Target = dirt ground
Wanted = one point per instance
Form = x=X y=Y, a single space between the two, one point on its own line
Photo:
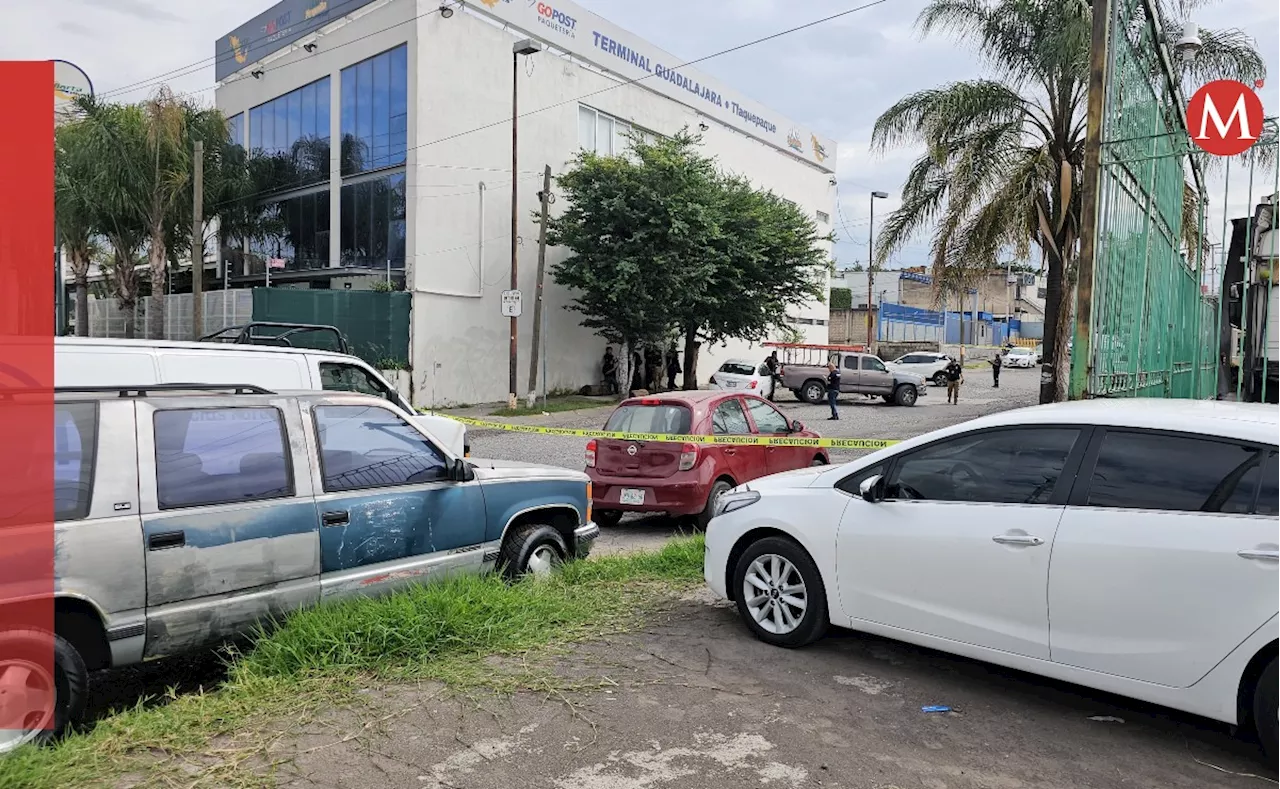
x=693 y=702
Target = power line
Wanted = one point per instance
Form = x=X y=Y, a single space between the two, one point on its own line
x=633 y=81
x=199 y=65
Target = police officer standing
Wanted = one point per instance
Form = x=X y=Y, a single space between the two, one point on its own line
x=833 y=390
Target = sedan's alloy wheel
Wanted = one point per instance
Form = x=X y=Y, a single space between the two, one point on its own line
x=775 y=593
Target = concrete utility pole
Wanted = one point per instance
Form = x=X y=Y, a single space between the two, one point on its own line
x=197 y=242
x=1095 y=106
x=871 y=266
x=526 y=47
x=544 y=197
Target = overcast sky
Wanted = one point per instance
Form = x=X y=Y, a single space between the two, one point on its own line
x=835 y=78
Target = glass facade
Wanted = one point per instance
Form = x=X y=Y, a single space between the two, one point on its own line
x=294 y=129
x=300 y=235
x=235 y=129
x=292 y=133
x=373 y=223
x=375 y=112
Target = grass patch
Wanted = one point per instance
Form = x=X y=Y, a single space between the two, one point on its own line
x=321 y=657
x=553 y=406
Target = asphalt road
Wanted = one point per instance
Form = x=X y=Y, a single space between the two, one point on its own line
x=694 y=702
x=860 y=417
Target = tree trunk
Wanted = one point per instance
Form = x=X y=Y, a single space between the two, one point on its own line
x=82 y=306
x=691 y=345
x=1053 y=302
x=158 y=259
x=130 y=311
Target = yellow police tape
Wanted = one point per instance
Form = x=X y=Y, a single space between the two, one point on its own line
x=833 y=443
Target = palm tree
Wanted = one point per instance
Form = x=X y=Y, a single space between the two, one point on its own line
x=1004 y=154
x=75 y=214
x=167 y=175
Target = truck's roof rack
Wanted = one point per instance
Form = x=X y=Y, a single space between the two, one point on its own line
x=146 y=389
x=245 y=334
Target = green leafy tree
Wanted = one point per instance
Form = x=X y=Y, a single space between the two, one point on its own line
x=767 y=259
x=664 y=243
x=1004 y=154
x=75 y=213
x=636 y=227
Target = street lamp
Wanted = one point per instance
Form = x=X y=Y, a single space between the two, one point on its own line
x=525 y=47
x=871 y=263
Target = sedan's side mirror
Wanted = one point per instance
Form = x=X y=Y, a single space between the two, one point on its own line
x=797 y=426
x=872 y=489
x=461 y=471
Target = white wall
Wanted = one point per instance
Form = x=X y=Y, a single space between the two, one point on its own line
x=463 y=69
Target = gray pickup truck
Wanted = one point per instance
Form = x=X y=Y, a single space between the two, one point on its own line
x=860 y=373
x=186 y=514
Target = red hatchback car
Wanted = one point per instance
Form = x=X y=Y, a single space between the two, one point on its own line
x=686 y=479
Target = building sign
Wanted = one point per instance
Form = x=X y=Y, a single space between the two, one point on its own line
x=574 y=29
x=275 y=29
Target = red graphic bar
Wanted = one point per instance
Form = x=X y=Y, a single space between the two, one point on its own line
x=27 y=676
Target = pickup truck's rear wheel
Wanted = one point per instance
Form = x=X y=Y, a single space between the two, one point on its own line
x=35 y=706
x=905 y=394
x=813 y=392
x=532 y=549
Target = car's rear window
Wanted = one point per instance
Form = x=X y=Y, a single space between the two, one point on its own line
x=667 y=419
x=737 y=368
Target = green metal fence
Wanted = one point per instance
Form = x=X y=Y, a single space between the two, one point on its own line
x=375 y=324
x=1152 y=332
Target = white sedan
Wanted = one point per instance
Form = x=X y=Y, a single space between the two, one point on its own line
x=929 y=364
x=743 y=375
x=1020 y=357
x=1160 y=517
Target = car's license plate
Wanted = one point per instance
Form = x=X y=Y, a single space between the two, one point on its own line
x=631 y=496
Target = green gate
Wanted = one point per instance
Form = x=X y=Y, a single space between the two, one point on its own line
x=1145 y=327
x=376 y=324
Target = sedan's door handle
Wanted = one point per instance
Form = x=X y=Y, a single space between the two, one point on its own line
x=1017 y=539
x=166 y=539
x=335 y=518
x=1270 y=556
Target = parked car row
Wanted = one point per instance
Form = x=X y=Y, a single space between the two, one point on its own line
x=1160 y=517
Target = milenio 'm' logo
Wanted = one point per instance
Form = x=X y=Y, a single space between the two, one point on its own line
x=1225 y=117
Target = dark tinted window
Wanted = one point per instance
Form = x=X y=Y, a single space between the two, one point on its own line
x=737 y=368
x=1004 y=466
x=729 y=420
x=373 y=223
x=1267 y=494
x=292 y=133
x=850 y=362
x=349 y=378
x=75 y=434
x=219 y=456
x=369 y=447
x=768 y=420
x=1181 y=473
x=663 y=419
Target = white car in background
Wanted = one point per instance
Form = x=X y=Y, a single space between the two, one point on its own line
x=1020 y=357
x=743 y=375
x=928 y=364
x=1160 y=515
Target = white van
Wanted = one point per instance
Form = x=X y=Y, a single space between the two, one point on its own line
x=86 y=361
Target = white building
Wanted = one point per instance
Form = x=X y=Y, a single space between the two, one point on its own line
x=420 y=189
